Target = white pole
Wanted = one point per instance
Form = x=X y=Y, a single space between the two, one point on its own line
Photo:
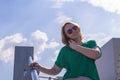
x=34 y=74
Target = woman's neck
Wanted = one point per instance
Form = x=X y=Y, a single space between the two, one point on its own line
x=79 y=41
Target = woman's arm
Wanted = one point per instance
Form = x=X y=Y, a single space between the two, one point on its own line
x=93 y=53
x=53 y=71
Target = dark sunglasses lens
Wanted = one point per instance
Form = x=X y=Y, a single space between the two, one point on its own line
x=74 y=28
x=69 y=31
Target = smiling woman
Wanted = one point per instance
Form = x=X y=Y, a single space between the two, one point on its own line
x=99 y=20
x=75 y=56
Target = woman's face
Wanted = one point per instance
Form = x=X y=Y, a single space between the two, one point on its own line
x=72 y=31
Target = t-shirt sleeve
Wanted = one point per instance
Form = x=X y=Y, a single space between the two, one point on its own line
x=93 y=44
x=60 y=59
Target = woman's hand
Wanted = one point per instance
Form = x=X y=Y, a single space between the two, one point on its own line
x=34 y=64
x=73 y=44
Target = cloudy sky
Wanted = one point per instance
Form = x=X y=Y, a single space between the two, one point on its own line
x=38 y=23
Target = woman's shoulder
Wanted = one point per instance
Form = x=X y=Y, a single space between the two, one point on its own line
x=90 y=43
x=65 y=47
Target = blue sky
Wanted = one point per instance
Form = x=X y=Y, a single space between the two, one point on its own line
x=38 y=23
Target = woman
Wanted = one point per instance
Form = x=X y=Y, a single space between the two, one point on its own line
x=77 y=57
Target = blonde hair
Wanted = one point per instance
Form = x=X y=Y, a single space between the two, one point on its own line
x=64 y=36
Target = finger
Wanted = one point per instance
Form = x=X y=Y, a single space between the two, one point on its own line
x=33 y=64
x=72 y=41
x=30 y=65
x=69 y=42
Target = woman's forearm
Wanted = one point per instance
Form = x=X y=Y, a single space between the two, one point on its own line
x=93 y=53
x=53 y=71
x=89 y=52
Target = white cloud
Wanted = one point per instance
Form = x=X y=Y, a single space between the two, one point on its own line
x=16 y=38
x=114 y=27
x=39 y=36
x=52 y=45
x=62 y=18
x=7 y=45
x=56 y=54
x=108 y=5
x=39 y=40
x=115 y=30
x=2 y=42
x=100 y=38
x=60 y=3
x=7 y=55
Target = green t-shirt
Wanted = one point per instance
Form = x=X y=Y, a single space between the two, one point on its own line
x=76 y=63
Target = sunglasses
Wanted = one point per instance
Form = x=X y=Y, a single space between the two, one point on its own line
x=70 y=31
